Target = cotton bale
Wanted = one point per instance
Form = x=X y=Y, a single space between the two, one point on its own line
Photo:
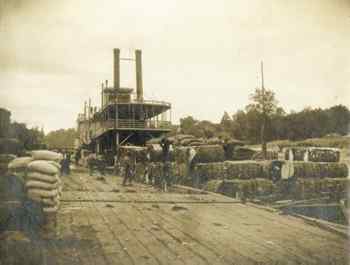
x=46 y=155
x=323 y=154
x=242 y=153
x=42 y=166
x=210 y=171
x=37 y=176
x=320 y=170
x=270 y=155
x=251 y=188
x=209 y=154
x=248 y=169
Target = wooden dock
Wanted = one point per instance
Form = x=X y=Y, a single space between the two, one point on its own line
x=100 y=222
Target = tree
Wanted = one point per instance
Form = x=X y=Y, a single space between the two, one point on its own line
x=339 y=117
x=61 y=139
x=30 y=138
x=226 y=124
x=265 y=104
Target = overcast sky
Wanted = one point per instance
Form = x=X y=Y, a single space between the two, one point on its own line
x=202 y=56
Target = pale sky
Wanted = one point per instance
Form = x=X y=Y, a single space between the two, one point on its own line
x=202 y=56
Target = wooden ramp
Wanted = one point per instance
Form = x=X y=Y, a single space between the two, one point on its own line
x=102 y=223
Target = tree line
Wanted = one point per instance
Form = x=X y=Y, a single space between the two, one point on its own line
x=246 y=124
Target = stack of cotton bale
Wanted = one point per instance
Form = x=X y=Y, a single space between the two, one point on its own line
x=41 y=174
x=248 y=169
x=232 y=188
x=270 y=155
x=312 y=154
x=316 y=154
x=209 y=154
x=242 y=153
x=319 y=170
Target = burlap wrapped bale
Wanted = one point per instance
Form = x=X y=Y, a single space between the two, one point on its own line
x=209 y=171
x=242 y=153
x=196 y=143
x=323 y=154
x=251 y=188
x=318 y=187
x=230 y=147
x=248 y=169
x=313 y=154
x=42 y=166
x=320 y=170
x=37 y=176
x=20 y=163
x=214 y=141
x=36 y=192
x=35 y=184
x=209 y=154
x=46 y=155
x=187 y=142
x=270 y=155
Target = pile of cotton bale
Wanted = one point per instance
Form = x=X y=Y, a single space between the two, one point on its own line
x=314 y=188
x=316 y=154
x=318 y=170
x=270 y=155
x=41 y=175
x=178 y=172
x=248 y=169
x=209 y=154
x=312 y=154
x=233 y=188
x=209 y=171
x=242 y=153
x=233 y=170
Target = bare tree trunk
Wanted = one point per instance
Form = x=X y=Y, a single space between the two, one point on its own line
x=263 y=138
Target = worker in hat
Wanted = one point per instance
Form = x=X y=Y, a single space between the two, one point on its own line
x=166 y=178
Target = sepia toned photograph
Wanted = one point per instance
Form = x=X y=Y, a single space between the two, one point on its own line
x=173 y=132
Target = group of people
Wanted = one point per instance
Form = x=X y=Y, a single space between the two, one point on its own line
x=129 y=166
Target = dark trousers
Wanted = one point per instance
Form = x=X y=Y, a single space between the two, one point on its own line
x=127 y=175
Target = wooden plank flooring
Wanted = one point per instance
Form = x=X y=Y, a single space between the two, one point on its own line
x=100 y=222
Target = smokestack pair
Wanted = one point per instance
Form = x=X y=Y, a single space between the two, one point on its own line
x=138 y=66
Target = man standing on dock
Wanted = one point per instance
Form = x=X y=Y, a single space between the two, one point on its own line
x=128 y=171
x=166 y=178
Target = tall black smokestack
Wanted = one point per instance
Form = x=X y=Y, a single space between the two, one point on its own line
x=116 y=68
x=139 y=88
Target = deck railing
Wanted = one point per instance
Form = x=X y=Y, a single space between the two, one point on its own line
x=99 y=127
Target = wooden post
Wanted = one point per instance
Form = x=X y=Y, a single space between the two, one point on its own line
x=263 y=126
